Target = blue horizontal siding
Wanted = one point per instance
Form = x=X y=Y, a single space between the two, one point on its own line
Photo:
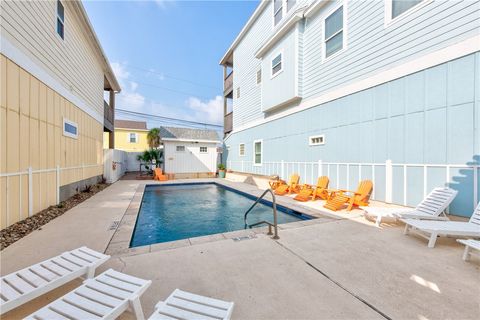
x=430 y=117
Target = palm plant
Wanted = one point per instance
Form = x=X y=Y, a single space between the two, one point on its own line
x=153 y=138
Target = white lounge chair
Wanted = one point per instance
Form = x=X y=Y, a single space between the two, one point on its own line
x=432 y=207
x=106 y=296
x=431 y=229
x=185 y=305
x=469 y=245
x=22 y=286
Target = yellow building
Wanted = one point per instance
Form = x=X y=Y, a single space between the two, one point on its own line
x=52 y=111
x=130 y=136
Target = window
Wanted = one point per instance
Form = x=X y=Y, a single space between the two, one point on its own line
x=60 y=19
x=180 y=148
x=276 y=65
x=277 y=11
x=316 y=140
x=241 y=149
x=70 y=129
x=238 y=92
x=203 y=149
x=259 y=76
x=290 y=4
x=333 y=32
x=132 y=137
x=257 y=156
x=401 y=6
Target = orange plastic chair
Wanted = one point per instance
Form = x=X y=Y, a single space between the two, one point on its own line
x=274 y=184
x=158 y=175
x=291 y=187
x=360 y=197
x=314 y=192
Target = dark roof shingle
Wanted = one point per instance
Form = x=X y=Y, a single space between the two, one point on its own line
x=130 y=124
x=189 y=134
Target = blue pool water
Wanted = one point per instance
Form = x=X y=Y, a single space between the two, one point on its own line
x=174 y=212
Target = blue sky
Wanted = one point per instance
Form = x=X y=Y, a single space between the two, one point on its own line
x=165 y=53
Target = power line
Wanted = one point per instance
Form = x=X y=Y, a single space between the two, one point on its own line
x=175 y=78
x=155 y=117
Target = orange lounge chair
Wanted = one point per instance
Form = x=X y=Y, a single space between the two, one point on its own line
x=274 y=184
x=291 y=187
x=158 y=175
x=309 y=191
x=339 y=198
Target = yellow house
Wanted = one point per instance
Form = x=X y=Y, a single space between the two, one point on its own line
x=54 y=74
x=130 y=136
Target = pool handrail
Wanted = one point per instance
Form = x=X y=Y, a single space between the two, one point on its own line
x=274 y=207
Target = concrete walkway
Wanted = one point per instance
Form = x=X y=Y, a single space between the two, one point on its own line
x=335 y=268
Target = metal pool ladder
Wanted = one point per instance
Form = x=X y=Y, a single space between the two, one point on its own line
x=274 y=207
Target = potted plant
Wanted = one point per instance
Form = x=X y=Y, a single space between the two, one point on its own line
x=221 y=170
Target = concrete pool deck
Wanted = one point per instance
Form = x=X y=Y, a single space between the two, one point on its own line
x=340 y=266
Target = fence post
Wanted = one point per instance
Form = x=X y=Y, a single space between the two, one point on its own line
x=282 y=169
x=388 y=181
x=30 y=192
x=320 y=168
x=58 y=183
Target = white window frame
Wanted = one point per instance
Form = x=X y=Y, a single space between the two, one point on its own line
x=310 y=143
x=273 y=13
x=272 y=75
x=69 y=134
x=58 y=17
x=184 y=148
x=261 y=153
x=240 y=149
x=344 y=29
x=389 y=20
x=203 y=152
x=129 y=137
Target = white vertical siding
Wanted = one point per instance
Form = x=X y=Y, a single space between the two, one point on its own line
x=190 y=160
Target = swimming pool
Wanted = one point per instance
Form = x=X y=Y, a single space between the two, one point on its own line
x=181 y=211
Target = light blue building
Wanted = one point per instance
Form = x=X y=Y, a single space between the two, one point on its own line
x=383 y=90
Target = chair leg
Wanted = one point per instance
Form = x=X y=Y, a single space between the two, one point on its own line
x=466 y=253
x=432 y=240
x=137 y=308
x=350 y=204
x=407 y=229
x=90 y=272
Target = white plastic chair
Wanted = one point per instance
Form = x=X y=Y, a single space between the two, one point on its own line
x=27 y=284
x=184 y=305
x=432 y=229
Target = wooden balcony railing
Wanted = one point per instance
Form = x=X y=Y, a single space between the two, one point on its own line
x=228 y=84
x=227 y=123
x=108 y=116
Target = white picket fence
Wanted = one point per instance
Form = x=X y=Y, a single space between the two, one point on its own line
x=343 y=177
x=30 y=172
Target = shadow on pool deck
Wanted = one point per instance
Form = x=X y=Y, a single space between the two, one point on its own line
x=337 y=269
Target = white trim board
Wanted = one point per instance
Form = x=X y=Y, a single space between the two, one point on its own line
x=16 y=55
x=427 y=61
x=189 y=140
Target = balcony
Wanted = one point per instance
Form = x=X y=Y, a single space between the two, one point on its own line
x=227 y=123
x=228 y=84
x=108 y=117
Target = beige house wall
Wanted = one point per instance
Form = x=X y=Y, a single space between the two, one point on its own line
x=31 y=133
x=73 y=61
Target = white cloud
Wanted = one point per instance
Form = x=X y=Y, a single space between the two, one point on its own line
x=128 y=98
x=210 y=111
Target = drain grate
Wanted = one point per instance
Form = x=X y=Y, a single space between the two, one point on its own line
x=114 y=225
x=244 y=238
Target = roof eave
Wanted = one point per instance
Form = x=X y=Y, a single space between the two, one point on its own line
x=244 y=30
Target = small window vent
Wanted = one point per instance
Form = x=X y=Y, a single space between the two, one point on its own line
x=316 y=140
x=259 y=76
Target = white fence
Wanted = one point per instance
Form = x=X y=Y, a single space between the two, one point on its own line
x=115 y=164
x=29 y=173
x=387 y=177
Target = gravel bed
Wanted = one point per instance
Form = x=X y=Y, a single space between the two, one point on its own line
x=20 y=229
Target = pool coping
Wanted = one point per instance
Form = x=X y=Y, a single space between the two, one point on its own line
x=119 y=244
